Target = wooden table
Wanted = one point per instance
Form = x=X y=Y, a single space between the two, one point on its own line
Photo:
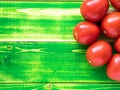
x=38 y=51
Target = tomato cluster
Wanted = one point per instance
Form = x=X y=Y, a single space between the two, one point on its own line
x=87 y=32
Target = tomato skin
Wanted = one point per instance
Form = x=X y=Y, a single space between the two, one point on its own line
x=113 y=68
x=115 y=4
x=99 y=53
x=94 y=10
x=117 y=45
x=86 y=32
x=110 y=25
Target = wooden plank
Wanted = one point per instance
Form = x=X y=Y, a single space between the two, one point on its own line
x=28 y=21
x=38 y=21
x=47 y=62
x=59 y=86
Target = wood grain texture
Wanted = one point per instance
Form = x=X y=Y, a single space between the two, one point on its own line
x=38 y=51
x=59 y=86
x=31 y=21
x=47 y=62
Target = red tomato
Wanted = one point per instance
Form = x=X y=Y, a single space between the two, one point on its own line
x=115 y=4
x=117 y=45
x=99 y=53
x=113 y=68
x=86 y=32
x=110 y=25
x=94 y=10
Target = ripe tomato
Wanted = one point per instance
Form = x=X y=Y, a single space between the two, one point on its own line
x=113 y=68
x=94 y=10
x=99 y=53
x=115 y=4
x=110 y=25
x=117 y=45
x=86 y=32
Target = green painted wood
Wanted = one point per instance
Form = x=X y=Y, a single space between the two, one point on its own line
x=38 y=51
x=59 y=86
x=46 y=0
x=38 y=21
x=47 y=62
x=24 y=86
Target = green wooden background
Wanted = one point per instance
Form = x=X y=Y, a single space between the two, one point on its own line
x=38 y=51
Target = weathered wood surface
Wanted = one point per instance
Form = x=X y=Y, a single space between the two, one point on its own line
x=38 y=51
